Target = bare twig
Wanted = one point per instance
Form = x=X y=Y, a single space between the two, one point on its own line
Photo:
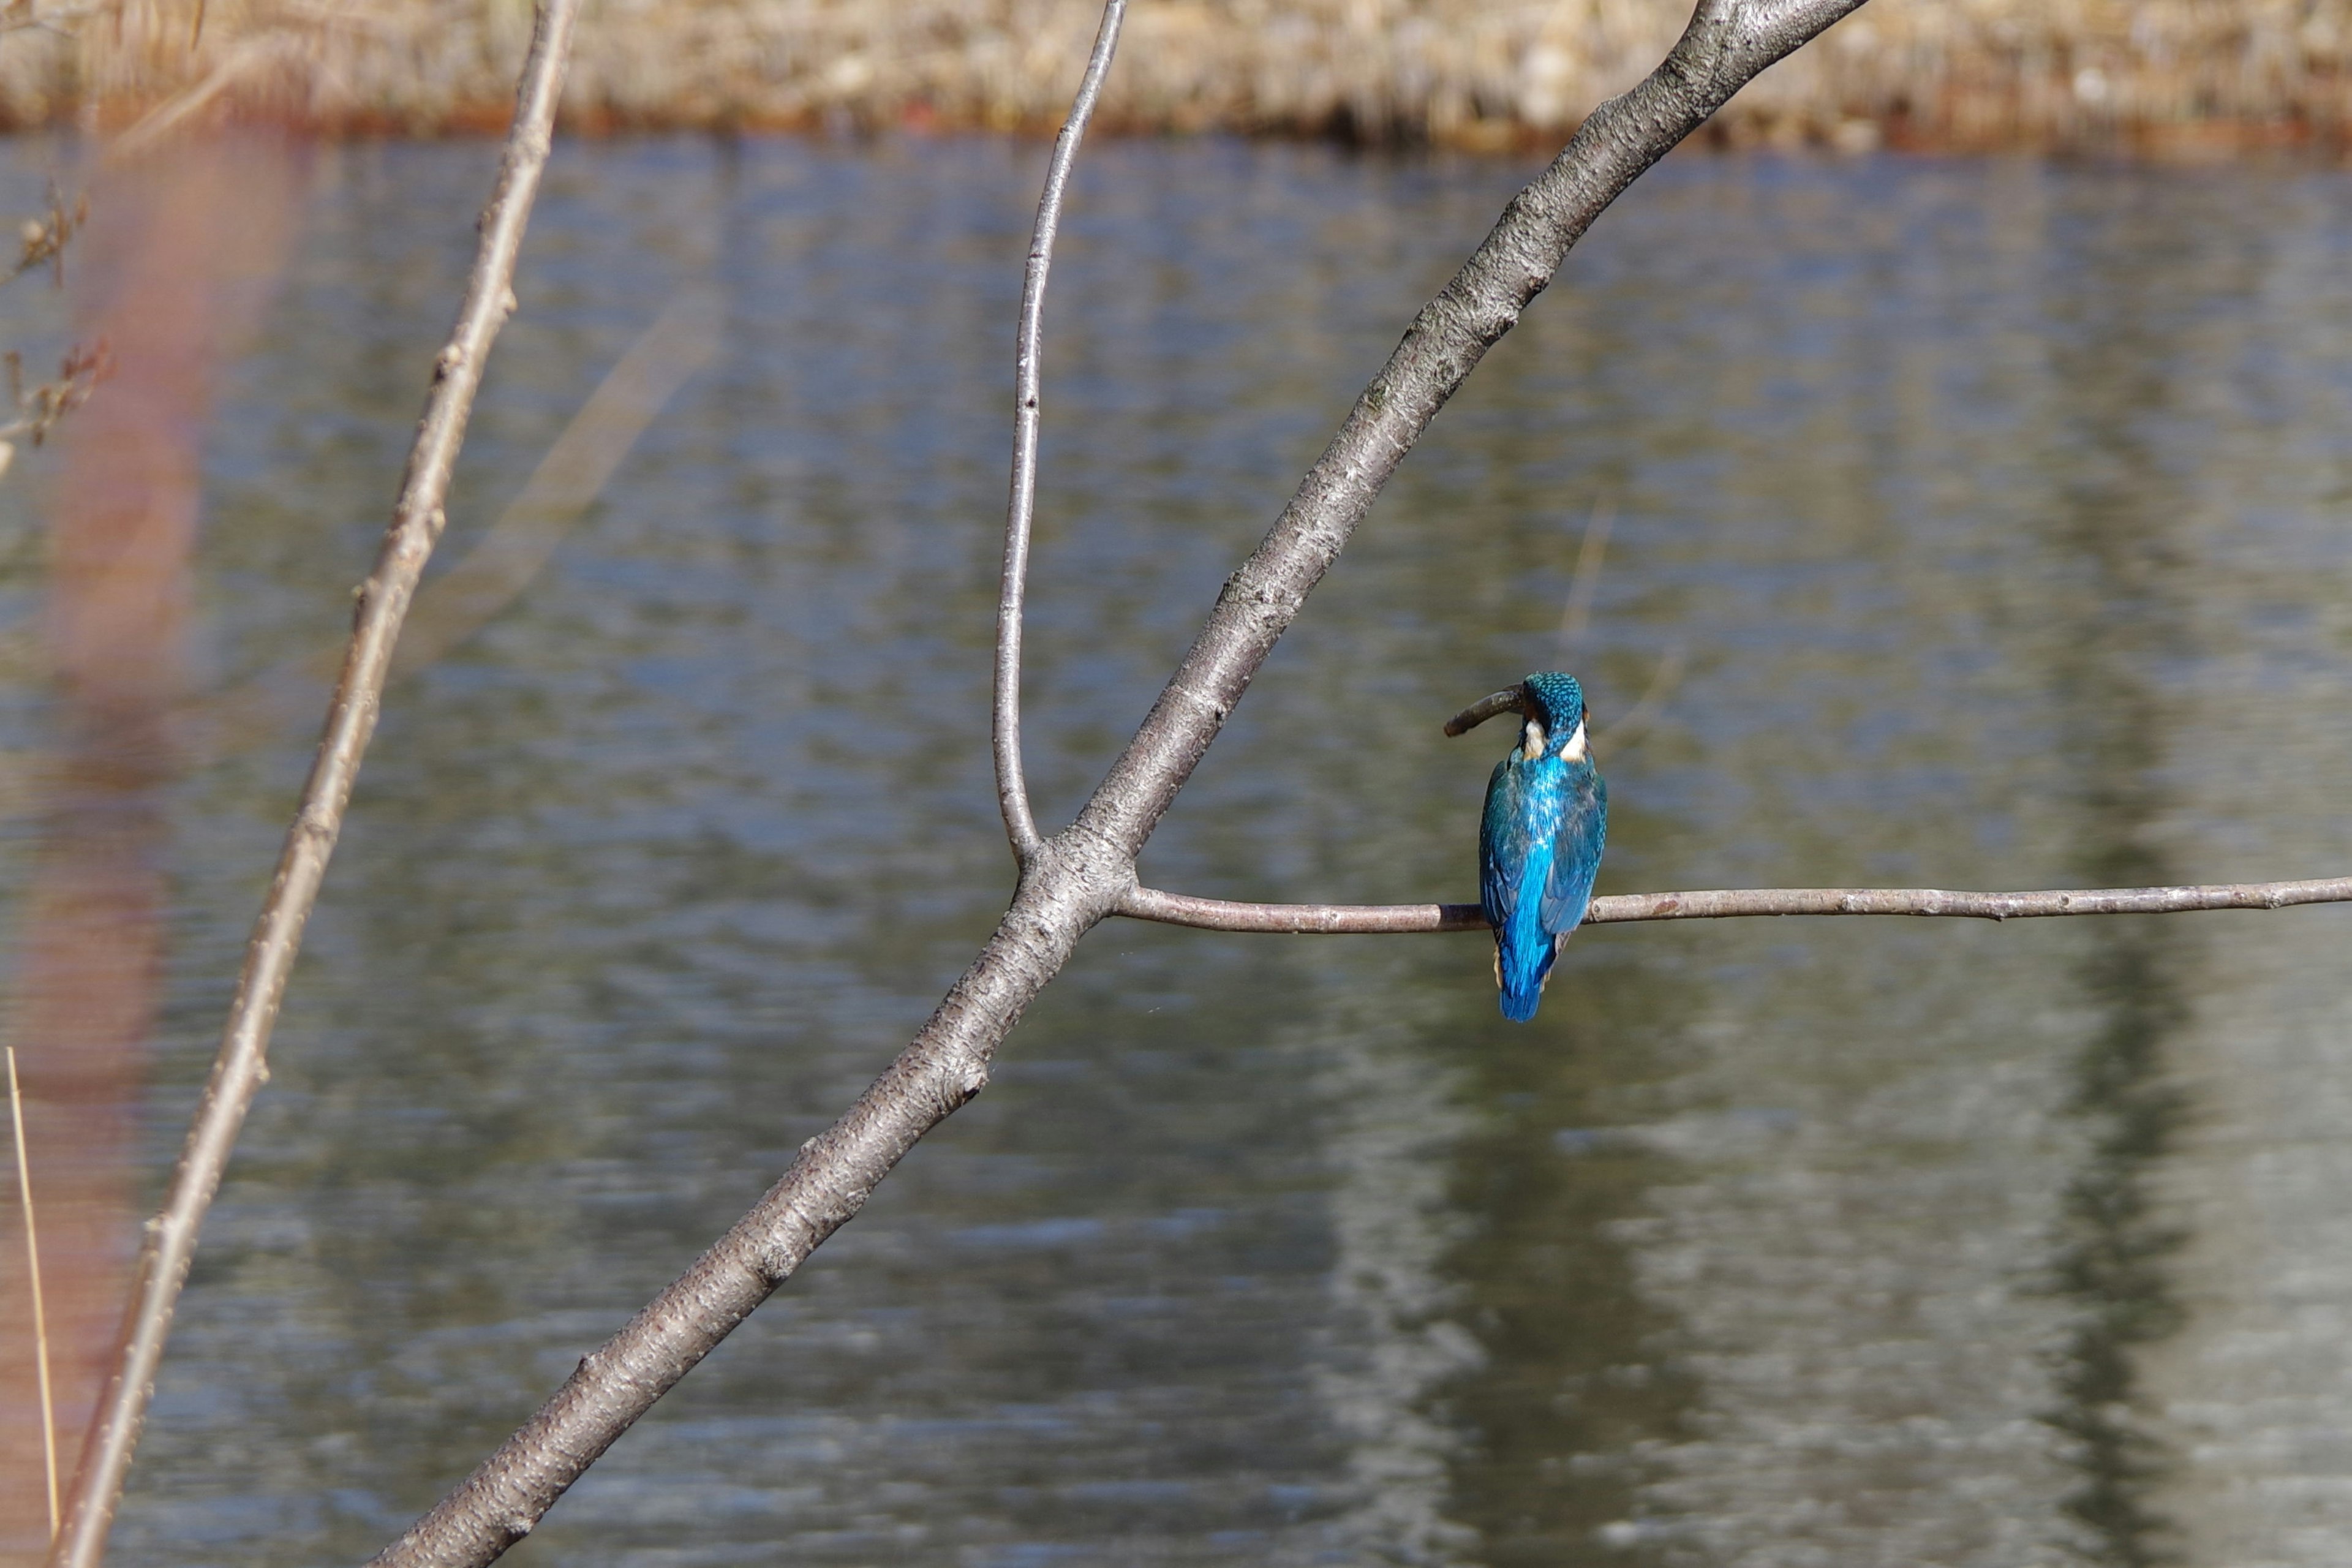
x=33 y=1278
x=45 y=238
x=239 y=1071
x=1223 y=915
x=1072 y=880
x=1303 y=919
x=1297 y=920
x=1021 y=509
x=80 y=369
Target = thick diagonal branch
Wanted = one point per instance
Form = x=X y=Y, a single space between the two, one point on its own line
x=1077 y=877
x=1725 y=45
x=238 y=1070
x=1727 y=903
x=1021 y=509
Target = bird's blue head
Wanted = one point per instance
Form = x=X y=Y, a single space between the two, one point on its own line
x=1554 y=723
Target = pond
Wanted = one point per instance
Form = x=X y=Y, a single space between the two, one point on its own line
x=1972 y=524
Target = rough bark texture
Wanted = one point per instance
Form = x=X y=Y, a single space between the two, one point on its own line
x=241 y=1065
x=1077 y=877
x=1725 y=45
x=948 y=1063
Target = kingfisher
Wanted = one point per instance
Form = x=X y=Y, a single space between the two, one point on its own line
x=1540 y=841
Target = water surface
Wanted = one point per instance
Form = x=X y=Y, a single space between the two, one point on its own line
x=1987 y=522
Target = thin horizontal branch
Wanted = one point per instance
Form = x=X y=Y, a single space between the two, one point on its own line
x=241 y=1065
x=1076 y=877
x=1297 y=920
x=1731 y=903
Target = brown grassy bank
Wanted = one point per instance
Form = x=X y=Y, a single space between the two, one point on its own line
x=2161 y=76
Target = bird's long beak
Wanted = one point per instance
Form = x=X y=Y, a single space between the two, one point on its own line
x=1510 y=700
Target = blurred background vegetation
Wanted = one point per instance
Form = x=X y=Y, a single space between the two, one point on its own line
x=1988 y=508
x=2169 y=77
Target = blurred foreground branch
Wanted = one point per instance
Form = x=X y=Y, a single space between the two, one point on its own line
x=44 y=239
x=1076 y=878
x=239 y=1071
x=41 y=405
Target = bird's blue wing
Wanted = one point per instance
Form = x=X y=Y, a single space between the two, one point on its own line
x=1576 y=856
x=1502 y=850
x=1497 y=852
x=1519 y=839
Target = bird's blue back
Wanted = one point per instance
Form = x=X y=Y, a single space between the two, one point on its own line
x=1540 y=847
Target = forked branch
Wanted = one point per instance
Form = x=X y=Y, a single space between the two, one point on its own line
x=1077 y=877
x=240 y=1069
x=1720 y=903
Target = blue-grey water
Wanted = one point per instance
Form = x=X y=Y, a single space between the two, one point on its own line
x=1975 y=525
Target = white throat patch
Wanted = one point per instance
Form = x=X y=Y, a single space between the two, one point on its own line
x=1532 y=745
x=1574 y=751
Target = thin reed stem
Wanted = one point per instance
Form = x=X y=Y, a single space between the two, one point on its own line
x=1021 y=509
x=1635 y=723
x=33 y=1275
x=241 y=1065
x=1577 y=618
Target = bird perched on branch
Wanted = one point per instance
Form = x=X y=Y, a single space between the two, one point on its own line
x=1540 y=841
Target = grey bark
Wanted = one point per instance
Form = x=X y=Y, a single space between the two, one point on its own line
x=1077 y=877
x=241 y=1065
x=1021 y=506
x=1729 y=903
x=1723 y=903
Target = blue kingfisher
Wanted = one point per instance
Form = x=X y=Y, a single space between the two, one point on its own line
x=1540 y=841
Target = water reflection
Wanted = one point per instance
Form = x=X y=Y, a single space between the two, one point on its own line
x=1819 y=1242
x=1578 y=1376
x=174 y=271
x=2116 y=532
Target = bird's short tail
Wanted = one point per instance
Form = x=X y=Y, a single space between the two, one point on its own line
x=1520 y=1006
x=1521 y=967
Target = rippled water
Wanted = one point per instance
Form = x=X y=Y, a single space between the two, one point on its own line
x=1981 y=524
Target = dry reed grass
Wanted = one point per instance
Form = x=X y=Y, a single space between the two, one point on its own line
x=2166 y=75
x=33 y=1283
